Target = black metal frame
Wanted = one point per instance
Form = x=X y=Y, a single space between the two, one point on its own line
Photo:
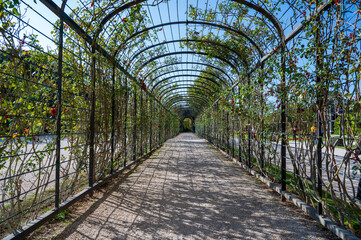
x=166 y=96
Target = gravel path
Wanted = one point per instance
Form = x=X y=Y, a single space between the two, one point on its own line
x=188 y=190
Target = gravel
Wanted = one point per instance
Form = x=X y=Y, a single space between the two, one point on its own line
x=186 y=190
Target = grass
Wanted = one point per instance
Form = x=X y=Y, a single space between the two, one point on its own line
x=62 y=215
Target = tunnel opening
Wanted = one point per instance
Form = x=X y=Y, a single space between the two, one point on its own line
x=187 y=125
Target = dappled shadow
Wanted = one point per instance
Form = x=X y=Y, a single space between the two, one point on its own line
x=190 y=191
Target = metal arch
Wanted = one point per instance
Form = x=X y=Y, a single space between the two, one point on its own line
x=185 y=81
x=187 y=40
x=199 y=104
x=182 y=90
x=268 y=15
x=183 y=109
x=196 y=110
x=190 y=70
x=188 y=97
x=53 y=7
x=195 y=100
x=255 y=7
x=193 y=63
x=164 y=92
x=180 y=75
x=192 y=22
x=112 y=14
x=187 y=52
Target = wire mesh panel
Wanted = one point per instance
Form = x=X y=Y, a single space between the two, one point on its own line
x=88 y=87
x=69 y=116
x=28 y=122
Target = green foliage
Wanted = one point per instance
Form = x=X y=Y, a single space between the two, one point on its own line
x=62 y=215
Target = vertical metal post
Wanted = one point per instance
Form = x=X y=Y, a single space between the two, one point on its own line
x=92 y=121
x=125 y=121
x=151 y=125
x=240 y=130
x=262 y=123
x=58 y=119
x=318 y=116
x=159 y=124
x=283 y=122
x=249 y=144
x=147 y=103
x=249 y=128
x=141 y=122
x=223 y=133
x=135 y=125
x=217 y=126
x=112 y=122
x=214 y=133
x=232 y=119
x=169 y=128
x=227 y=133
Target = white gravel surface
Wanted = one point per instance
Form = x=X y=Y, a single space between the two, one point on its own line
x=188 y=190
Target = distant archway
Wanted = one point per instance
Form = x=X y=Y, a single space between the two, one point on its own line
x=187 y=124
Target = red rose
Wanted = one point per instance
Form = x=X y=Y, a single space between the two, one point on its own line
x=53 y=111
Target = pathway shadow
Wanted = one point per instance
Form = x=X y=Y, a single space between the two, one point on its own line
x=194 y=194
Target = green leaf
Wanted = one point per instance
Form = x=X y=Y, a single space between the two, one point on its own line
x=15 y=12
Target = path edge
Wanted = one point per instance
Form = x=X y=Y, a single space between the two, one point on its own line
x=324 y=221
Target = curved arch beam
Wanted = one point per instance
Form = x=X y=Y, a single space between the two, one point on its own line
x=187 y=52
x=255 y=7
x=183 y=93
x=268 y=15
x=188 y=97
x=195 y=100
x=188 y=70
x=112 y=14
x=192 y=63
x=198 y=109
x=164 y=92
x=188 y=40
x=186 y=81
x=260 y=53
x=200 y=104
x=180 y=75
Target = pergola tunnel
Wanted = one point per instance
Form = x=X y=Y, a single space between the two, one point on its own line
x=89 y=87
